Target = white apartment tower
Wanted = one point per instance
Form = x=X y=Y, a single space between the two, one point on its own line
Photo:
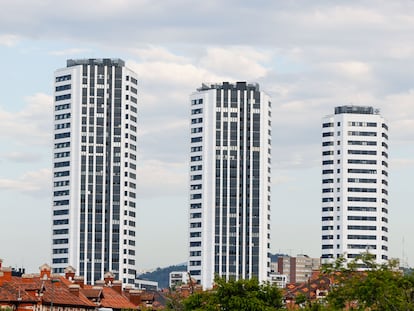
x=94 y=169
x=354 y=184
x=230 y=178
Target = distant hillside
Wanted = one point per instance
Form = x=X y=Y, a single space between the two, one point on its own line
x=161 y=275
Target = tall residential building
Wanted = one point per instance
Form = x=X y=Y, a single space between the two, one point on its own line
x=94 y=169
x=230 y=177
x=354 y=183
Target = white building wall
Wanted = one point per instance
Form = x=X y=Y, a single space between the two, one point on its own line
x=98 y=114
x=354 y=184
x=210 y=252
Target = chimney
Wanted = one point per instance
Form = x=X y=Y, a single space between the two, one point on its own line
x=70 y=273
x=127 y=290
x=79 y=280
x=27 y=278
x=6 y=274
x=109 y=278
x=117 y=286
x=1 y=261
x=135 y=296
x=74 y=289
x=45 y=271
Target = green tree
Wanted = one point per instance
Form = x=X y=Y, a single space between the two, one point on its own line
x=235 y=295
x=376 y=287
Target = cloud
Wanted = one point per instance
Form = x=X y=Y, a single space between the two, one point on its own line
x=354 y=69
x=8 y=40
x=33 y=183
x=31 y=125
x=21 y=157
x=239 y=62
x=402 y=163
x=71 y=51
x=159 y=179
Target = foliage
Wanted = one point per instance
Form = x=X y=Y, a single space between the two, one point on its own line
x=375 y=287
x=235 y=295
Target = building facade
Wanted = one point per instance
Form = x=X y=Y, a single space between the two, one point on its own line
x=297 y=269
x=230 y=178
x=94 y=169
x=354 y=184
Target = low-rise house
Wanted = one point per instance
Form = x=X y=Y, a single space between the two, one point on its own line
x=51 y=292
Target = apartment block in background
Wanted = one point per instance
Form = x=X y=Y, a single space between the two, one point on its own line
x=94 y=169
x=354 y=184
x=230 y=178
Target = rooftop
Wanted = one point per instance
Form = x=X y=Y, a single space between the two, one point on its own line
x=241 y=85
x=356 y=109
x=117 y=62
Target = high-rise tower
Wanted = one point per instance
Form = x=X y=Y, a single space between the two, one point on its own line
x=354 y=184
x=230 y=178
x=94 y=169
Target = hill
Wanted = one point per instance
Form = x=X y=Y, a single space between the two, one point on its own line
x=161 y=275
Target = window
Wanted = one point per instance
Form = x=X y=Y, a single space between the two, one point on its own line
x=359 y=133
x=358 y=199
x=62 y=164
x=62 y=97
x=362 y=237
x=196 y=158
x=62 y=87
x=196 y=139
x=62 y=116
x=370 y=190
x=362 y=209
x=63 y=78
x=364 y=152
x=196 y=120
x=61 y=174
x=362 y=218
x=62 y=135
x=354 y=161
x=62 y=107
x=361 y=143
x=197 y=111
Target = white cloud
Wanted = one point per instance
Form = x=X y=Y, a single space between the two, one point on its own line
x=32 y=124
x=157 y=53
x=354 y=69
x=160 y=179
x=72 y=51
x=21 y=157
x=8 y=40
x=402 y=163
x=34 y=183
x=240 y=62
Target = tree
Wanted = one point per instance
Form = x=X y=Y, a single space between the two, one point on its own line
x=236 y=295
x=376 y=287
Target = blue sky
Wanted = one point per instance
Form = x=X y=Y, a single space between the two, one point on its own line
x=309 y=56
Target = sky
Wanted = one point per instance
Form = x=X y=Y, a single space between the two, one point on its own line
x=309 y=56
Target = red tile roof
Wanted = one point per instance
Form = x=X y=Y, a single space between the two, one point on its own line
x=112 y=299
